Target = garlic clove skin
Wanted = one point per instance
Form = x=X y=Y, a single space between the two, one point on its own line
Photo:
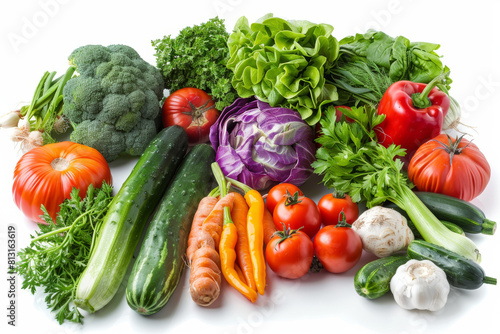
x=420 y=285
x=383 y=231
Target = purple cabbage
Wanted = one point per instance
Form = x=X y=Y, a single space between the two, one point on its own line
x=261 y=145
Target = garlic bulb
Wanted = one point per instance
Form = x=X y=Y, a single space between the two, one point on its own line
x=420 y=285
x=383 y=231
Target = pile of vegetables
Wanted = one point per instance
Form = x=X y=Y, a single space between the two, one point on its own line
x=250 y=116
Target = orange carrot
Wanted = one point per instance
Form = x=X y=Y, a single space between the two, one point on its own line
x=269 y=227
x=203 y=243
x=239 y=218
x=204 y=208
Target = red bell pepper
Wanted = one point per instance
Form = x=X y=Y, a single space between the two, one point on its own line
x=414 y=114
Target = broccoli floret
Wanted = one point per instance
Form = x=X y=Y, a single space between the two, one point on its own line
x=114 y=103
x=101 y=136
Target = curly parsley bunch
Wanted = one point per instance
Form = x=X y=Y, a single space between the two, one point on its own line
x=197 y=57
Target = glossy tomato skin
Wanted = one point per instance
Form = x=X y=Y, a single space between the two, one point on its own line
x=337 y=248
x=292 y=257
x=194 y=110
x=465 y=178
x=304 y=215
x=47 y=174
x=330 y=208
x=278 y=192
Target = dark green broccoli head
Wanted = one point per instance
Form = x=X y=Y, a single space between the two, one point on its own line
x=114 y=99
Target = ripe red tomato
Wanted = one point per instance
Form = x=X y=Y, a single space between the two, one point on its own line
x=290 y=253
x=331 y=205
x=278 y=192
x=454 y=167
x=47 y=174
x=192 y=109
x=296 y=212
x=338 y=248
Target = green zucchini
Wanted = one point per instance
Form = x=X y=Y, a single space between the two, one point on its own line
x=373 y=279
x=128 y=213
x=460 y=271
x=464 y=214
x=160 y=262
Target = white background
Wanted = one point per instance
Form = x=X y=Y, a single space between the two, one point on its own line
x=39 y=35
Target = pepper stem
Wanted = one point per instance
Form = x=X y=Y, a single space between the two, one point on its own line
x=421 y=100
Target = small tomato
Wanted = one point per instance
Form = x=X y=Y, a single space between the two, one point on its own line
x=331 y=205
x=192 y=109
x=290 y=253
x=337 y=247
x=297 y=212
x=278 y=192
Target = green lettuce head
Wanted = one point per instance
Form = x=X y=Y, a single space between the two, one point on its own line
x=283 y=63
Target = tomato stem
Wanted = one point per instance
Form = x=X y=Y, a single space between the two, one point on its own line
x=452 y=147
x=292 y=199
x=285 y=234
x=343 y=222
x=197 y=112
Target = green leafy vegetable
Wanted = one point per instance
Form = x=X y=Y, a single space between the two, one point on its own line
x=369 y=63
x=113 y=104
x=59 y=252
x=352 y=162
x=197 y=57
x=283 y=63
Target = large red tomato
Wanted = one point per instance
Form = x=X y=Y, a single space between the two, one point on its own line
x=278 y=192
x=192 y=109
x=331 y=205
x=297 y=212
x=47 y=174
x=338 y=248
x=290 y=253
x=454 y=167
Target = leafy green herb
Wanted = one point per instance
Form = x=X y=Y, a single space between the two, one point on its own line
x=351 y=161
x=59 y=253
x=197 y=57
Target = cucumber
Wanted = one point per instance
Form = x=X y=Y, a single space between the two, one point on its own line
x=460 y=271
x=161 y=262
x=373 y=279
x=128 y=212
x=464 y=214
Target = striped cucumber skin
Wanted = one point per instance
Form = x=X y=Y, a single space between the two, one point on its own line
x=373 y=279
x=464 y=214
x=161 y=260
x=129 y=211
